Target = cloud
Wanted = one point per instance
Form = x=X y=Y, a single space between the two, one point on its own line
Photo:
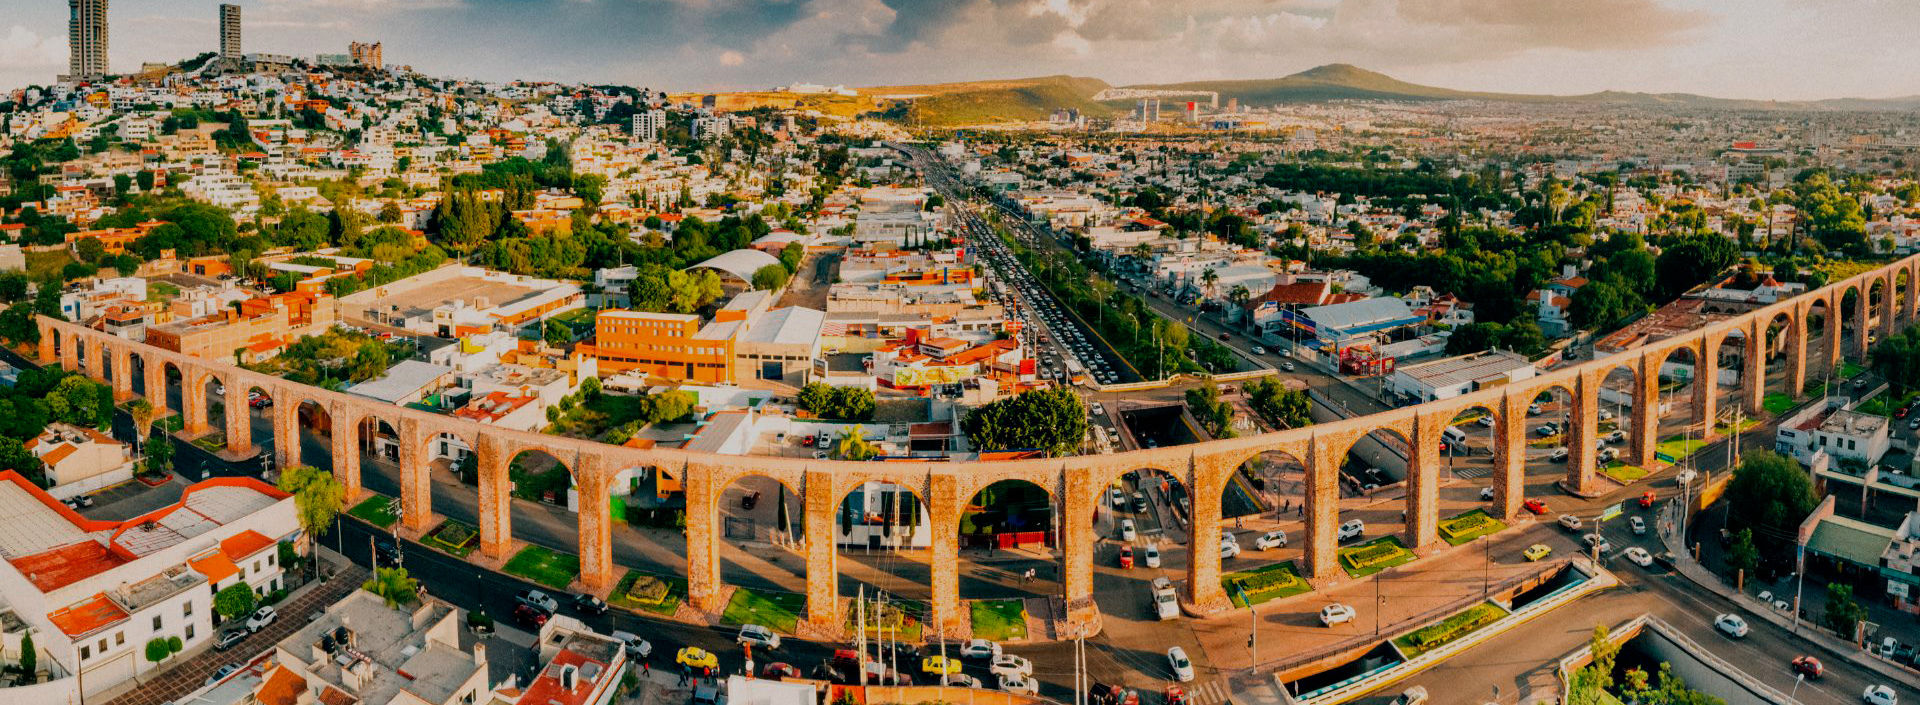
x=23 y=48
x=732 y=58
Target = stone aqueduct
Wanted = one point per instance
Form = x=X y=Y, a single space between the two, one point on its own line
x=1075 y=483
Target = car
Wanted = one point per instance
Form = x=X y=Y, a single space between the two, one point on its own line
x=1486 y=494
x=1177 y=662
x=261 y=618
x=1646 y=500
x=1606 y=415
x=1018 y=685
x=1806 y=666
x=780 y=672
x=1336 y=613
x=1126 y=530
x=636 y=647
x=1104 y=694
x=758 y=635
x=980 y=649
x=1559 y=455
x=1271 y=540
x=588 y=604
x=1685 y=477
x=1485 y=421
x=1353 y=528
x=1010 y=665
x=1126 y=556
x=1638 y=524
x=1608 y=454
x=821 y=455
x=1597 y=541
x=228 y=639
x=1570 y=522
x=1288 y=366
x=222 y=673
x=939 y=665
x=1258 y=350
x=1151 y=556
x=1615 y=437
x=962 y=680
x=1097 y=408
x=530 y=616
x=1879 y=695
x=536 y=598
x=1639 y=556
x=1416 y=695
x=1533 y=409
x=1533 y=505
x=1140 y=498
x=1229 y=549
x=696 y=657
x=78 y=502
x=1860 y=383
x=1537 y=552
x=1731 y=624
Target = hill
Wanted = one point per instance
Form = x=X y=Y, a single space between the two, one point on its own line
x=986 y=102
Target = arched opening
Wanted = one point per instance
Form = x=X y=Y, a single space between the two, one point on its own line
x=259 y=411
x=137 y=366
x=176 y=386
x=763 y=532
x=1729 y=382
x=1471 y=442
x=1007 y=529
x=1849 y=307
x=1149 y=513
x=881 y=530
x=1877 y=302
x=1820 y=345
x=1676 y=391
x=1373 y=479
x=1901 y=283
x=313 y=426
x=1547 y=430
x=379 y=456
x=214 y=390
x=1263 y=506
x=1777 y=392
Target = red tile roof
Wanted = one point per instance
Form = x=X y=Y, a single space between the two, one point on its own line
x=245 y=544
x=66 y=565
x=215 y=565
x=546 y=689
x=87 y=617
x=282 y=687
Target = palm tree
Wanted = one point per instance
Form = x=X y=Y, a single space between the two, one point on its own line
x=1210 y=278
x=1239 y=295
x=853 y=445
x=1143 y=252
x=393 y=585
x=143 y=414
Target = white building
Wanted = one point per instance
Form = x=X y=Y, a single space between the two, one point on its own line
x=1848 y=436
x=647 y=125
x=1454 y=376
x=362 y=651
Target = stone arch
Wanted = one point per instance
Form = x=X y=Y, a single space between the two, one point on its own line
x=880 y=513
x=760 y=510
x=137 y=368
x=540 y=474
x=1902 y=292
x=1021 y=517
x=1782 y=349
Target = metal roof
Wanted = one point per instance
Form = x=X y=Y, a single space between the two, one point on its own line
x=1850 y=540
x=1362 y=316
x=739 y=263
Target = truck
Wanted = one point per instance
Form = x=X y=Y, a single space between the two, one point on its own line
x=1165 y=604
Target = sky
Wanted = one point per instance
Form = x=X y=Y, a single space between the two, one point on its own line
x=1768 y=49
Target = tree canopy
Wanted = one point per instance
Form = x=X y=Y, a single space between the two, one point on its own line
x=1050 y=420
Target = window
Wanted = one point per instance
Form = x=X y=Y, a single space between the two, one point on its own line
x=271 y=557
x=119 y=638
x=189 y=632
x=156 y=622
x=186 y=609
x=103 y=645
x=256 y=566
x=86 y=653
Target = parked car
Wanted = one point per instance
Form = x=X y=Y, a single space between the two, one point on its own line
x=1010 y=665
x=1117 y=498
x=758 y=635
x=588 y=604
x=1288 y=366
x=1017 y=685
x=1178 y=663
x=696 y=658
x=261 y=618
x=536 y=598
x=937 y=665
x=1416 y=695
x=1731 y=624
x=222 y=673
x=962 y=680
x=1229 y=549
x=780 y=671
x=229 y=638
x=980 y=648
x=1486 y=494
x=1336 y=613
x=530 y=616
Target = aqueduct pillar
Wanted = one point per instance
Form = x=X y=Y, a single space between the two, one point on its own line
x=286 y=429
x=122 y=356
x=823 y=562
x=1796 y=352
x=1208 y=480
x=1322 y=496
x=416 y=483
x=1583 y=436
x=193 y=400
x=495 y=500
x=239 y=418
x=1644 y=427
x=1753 y=360
x=1510 y=455
x=943 y=554
x=1079 y=497
x=593 y=482
x=1706 y=384
x=1423 y=480
x=344 y=429
x=702 y=490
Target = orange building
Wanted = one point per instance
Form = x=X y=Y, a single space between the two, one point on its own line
x=670 y=345
x=258 y=327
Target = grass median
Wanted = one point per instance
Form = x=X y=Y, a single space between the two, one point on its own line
x=1470 y=525
x=1374 y=556
x=649 y=592
x=378 y=510
x=999 y=620
x=544 y=566
x=779 y=611
x=1247 y=588
x=1449 y=630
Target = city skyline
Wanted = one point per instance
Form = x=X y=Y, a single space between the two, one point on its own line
x=1775 y=49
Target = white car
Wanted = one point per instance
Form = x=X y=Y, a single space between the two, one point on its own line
x=1177 y=661
x=1639 y=525
x=636 y=647
x=1271 y=540
x=1731 y=625
x=1486 y=493
x=962 y=680
x=1229 y=549
x=1596 y=541
x=1288 y=366
x=260 y=619
x=1558 y=455
x=1018 y=685
x=1639 y=556
x=980 y=648
x=758 y=636
x=1533 y=409
x=1010 y=665
x=1336 y=613
x=1117 y=498
x=1257 y=350
x=1486 y=421
x=1098 y=409
x=1151 y=556
x=1126 y=530
x=1879 y=695
x=1352 y=529
x=1685 y=477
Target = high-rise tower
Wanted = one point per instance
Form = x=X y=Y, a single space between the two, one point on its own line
x=229 y=31
x=86 y=39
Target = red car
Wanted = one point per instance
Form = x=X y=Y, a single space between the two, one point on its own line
x=1535 y=506
x=529 y=616
x=1646 y=500
x=780 y=672
x=1807 y=666
x=1176 y=695
x=1126 y=556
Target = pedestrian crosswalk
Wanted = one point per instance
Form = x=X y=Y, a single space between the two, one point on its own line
x=1210 y=692
x=1472 y=473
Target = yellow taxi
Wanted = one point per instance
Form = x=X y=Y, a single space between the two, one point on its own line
x=936 y=665
x=1537 y=552
x=696 y=657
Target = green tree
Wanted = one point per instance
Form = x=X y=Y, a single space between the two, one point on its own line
x=1774 y=495
x=15 y=456
x=1843 y=611
x=853 y=445
x=1590 y=682
x=160 y=456
x=90 y=250
x=1603 y=304
x=815 y=397
x=233 y=601
x=556 y=334
x=159 y=648
x=393 y=586
x=1214 y=413
x=13 y=286
x=1288 y=407
x=770 y=277
x=1897 y=359
x=29 y=660
x=144 y=413
x=1050 y=420
x=317 y=496
x=1742 y=555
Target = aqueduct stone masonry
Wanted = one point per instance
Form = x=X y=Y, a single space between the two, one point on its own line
x=1075 y=483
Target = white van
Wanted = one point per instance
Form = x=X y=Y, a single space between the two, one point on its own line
x=1455 y=436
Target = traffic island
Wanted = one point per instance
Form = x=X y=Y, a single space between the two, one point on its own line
x=1374 y=556
x=545 y=566
x=999 y=620
x=779 y=611
x=1448 y=630
x=642 y=591
x=1467 y=526
x=889 y=620
x=453 y=537
x=377 y=509
x=1248 y=588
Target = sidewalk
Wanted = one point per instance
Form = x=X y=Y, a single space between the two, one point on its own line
x=1701 y=576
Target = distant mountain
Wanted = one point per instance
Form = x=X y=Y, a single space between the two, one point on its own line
x=1347 y=82
x=985 y=102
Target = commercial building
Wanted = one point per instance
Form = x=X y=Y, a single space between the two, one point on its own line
x=1454 y=376
x=671 y=345
x=257 y=330
x=1835 y=429
x=94 y=593
x=455 y=301
x=86 y=40
x=229 y=31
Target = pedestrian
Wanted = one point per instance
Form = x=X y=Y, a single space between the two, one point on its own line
x=645 y=671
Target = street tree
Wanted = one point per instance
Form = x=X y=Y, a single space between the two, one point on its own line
x=234 y=601
x=392 y=585
x=1774 y=495
x=1844 y=612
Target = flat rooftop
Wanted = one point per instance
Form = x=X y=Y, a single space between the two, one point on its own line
x=399 y=654
x=1466 y=368
x=28 y=526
